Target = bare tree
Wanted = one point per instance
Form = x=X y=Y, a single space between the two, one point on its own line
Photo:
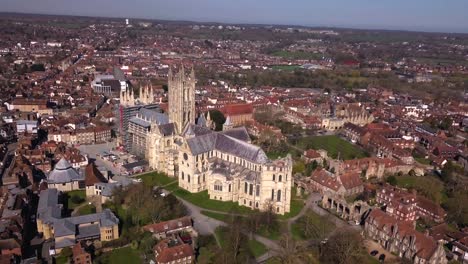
x=344 y=246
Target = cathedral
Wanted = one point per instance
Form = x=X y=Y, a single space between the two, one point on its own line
x=224 y=163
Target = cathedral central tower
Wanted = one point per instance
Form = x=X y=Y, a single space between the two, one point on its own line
x=181 y=90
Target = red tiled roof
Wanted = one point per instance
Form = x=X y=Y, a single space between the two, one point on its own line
x=93 y=175
x=237 y=109
x=167 y=254
x=169 y=225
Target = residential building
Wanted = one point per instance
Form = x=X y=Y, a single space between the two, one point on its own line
x=401 y=238
x=66 y=232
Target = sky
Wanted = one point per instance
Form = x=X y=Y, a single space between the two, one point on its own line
x=420 y=15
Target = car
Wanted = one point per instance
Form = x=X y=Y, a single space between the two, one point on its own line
x=374 y=252
x=382 y=258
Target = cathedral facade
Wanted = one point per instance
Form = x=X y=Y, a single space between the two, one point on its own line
x=223 y=163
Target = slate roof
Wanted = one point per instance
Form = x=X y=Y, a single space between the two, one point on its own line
x=64 y=173
x=49 y=211
x=48 y=208
x=227 y=144
x=167 y=129
x=239 y=133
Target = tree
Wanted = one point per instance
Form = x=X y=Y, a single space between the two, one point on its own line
x=218 y=118
x=344 y=246
x=392 y=180
x=291 y=252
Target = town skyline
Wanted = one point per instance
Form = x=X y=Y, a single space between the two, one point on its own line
x=413 y=16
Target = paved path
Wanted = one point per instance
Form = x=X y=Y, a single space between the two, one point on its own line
x=312 y=199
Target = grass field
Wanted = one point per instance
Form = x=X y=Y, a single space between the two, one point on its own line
x=334 y=145
x=156 y=179
x=81 y=194
x=255 y=247
x=217 y=216
x=124 y=255
x=319 y=224
x=87 y=209
x=202 y=200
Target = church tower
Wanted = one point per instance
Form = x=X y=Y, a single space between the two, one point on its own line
x=181 y=98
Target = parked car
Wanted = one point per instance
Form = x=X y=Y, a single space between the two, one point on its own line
x=374 y=252
x=382 y=258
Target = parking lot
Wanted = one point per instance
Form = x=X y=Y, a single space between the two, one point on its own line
x=372 y=245
x=114 y=158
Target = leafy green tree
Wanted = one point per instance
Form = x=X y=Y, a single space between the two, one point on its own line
x=218 y=118
x=392 y=180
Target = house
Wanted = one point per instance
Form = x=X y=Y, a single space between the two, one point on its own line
x=408 y=206
x=64 y=178
x=163 y=229
x=343 y=185
x=239 y=114
x=66 y=232
x=312 y=155
x=92 y=176
x=171 y=250
x=80 y=256
x=460 y=250
x=401 y=238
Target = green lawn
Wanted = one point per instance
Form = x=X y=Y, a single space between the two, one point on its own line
x=61 y=260
x=334 y=145
x=253 y=245
x=202 y=200
x=273 y=234
x=217 y=216
x=80 y=195
x=319 y=226
x=156 y=179
x=124 y=256
x=295 y=209
x=423 y=161
x=257 y=248
x=87 y=209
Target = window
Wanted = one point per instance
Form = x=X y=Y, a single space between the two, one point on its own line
x=272 y=194
x=274 y=176
x=256 y=204
x=278 y=197
x=280 y=177
x=182 y=175
x=229 y=187
x=257 y=191
x=203 y=177
x=245 y=187
x=218 y=186
x=188 y=178
x=198 y=179
x=250 y=203
x=251 y=189
x=185 y=156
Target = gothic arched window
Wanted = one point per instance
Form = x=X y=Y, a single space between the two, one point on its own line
x=218 y=186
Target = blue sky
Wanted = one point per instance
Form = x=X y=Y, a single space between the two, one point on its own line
x=426 y=15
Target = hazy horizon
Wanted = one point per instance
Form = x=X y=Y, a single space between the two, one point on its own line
x=416 y=15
